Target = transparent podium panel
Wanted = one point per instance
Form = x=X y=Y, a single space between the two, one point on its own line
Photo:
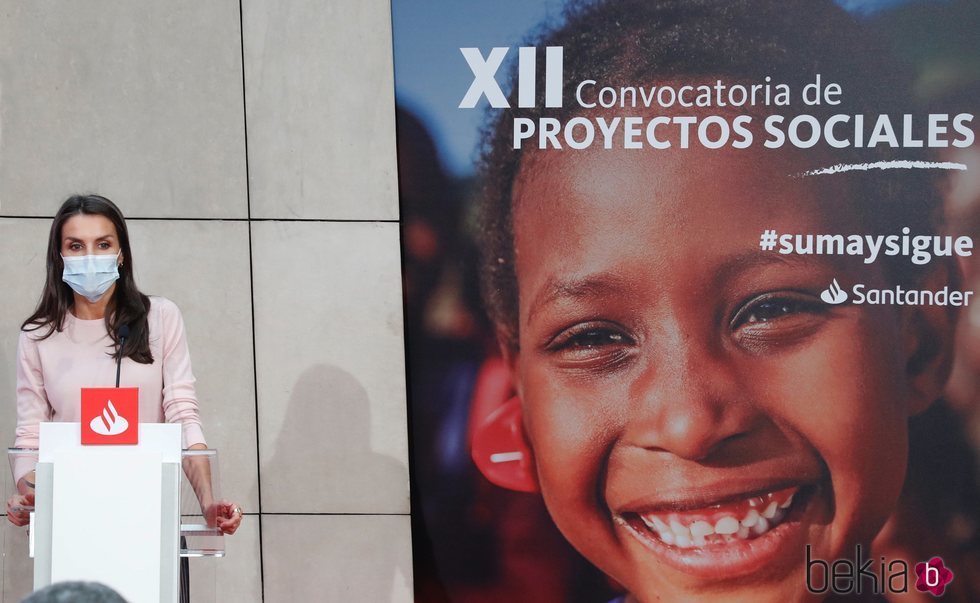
x=18 y=564
x=201 y=542
x=200 y=499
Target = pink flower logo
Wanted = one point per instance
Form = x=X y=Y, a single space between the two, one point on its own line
x=932 y=576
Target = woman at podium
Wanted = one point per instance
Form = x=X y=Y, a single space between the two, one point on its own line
x=92 y=323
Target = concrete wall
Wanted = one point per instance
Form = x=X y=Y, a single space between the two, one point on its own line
x=251 y=146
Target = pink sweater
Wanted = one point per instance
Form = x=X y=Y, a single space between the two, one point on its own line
x=52 y=371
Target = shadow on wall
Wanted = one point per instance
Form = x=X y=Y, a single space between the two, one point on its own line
x=325 y=464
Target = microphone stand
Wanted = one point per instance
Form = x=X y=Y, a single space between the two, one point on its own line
x=123 y=335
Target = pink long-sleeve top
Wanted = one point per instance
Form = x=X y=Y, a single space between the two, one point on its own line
x=52 y=371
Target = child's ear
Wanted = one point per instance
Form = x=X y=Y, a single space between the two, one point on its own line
x=499 y=445
x=501 y=452
x=929 y=337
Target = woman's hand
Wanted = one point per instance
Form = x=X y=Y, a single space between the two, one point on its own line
x=19 y=507
x=225 y=515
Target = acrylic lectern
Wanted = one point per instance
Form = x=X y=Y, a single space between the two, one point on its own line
x=121 y=515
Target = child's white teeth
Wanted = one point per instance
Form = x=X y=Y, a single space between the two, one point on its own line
x=770 y=510
x=679 y=530
x=727 y=528
x=700 y=529
x=751 y=518
x=726 y=525
x=659 y=525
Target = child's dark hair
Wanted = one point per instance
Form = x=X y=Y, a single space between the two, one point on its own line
x=643 y=42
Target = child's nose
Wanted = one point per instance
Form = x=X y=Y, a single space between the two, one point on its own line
x=690 y=406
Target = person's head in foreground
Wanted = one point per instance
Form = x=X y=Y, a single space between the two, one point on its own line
x=75 y=592
x=698 y=415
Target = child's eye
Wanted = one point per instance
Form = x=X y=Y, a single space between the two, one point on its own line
x=778 y=316
x=768 y=308
x=594 y=338
x=591 y=345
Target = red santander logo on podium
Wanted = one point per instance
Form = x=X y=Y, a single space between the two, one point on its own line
x=110 y=415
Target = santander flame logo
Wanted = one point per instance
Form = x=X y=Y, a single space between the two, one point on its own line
x=110 y=422
x=834 y=294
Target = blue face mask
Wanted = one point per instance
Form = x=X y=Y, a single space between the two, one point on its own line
x=91 y=275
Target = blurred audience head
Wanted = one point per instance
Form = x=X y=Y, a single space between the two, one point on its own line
x=75 y=592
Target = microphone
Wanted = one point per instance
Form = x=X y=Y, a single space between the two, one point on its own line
x=122 y=334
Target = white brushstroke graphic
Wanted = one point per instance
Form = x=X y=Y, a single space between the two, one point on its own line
x=885 y=165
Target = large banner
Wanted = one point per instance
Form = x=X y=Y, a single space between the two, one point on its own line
x=690 y=292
